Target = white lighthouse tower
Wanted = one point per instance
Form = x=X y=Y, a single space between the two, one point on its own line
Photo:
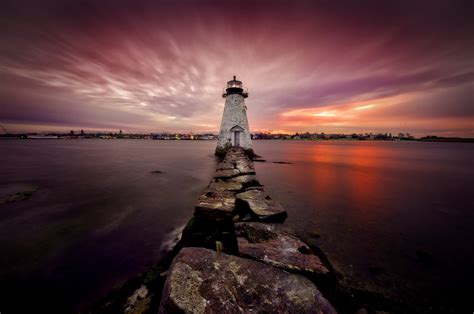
x=234 y=130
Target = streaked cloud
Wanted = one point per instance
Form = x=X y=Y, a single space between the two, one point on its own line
x=150 y=66
x=364 y=107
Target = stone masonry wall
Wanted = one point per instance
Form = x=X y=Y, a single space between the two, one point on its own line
x=235 y=114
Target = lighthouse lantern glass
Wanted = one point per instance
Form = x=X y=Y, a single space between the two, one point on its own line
x=234 y=84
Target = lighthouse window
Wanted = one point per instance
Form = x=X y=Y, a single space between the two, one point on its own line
x=235 y=85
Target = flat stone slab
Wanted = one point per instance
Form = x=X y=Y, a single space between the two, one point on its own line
x=270 y=244
x=226 y=173
x=261 y=206
x=216 y=205
x=234 y=164
x=204 y=281
x=246 y=179
x=236 y=158
x=221 y=185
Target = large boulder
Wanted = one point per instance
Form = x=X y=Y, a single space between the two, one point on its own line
x=204 y=281
x=261 y=206
x=273 y=245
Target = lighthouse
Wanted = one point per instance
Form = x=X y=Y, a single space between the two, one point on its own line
x=234 y=130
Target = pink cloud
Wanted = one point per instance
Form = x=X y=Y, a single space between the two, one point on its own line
x=147 y=66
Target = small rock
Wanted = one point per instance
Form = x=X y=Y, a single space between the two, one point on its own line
x=204 y=281
x=219 y=246
x=261 y=206
x=11 y=193
x=138 y=301
x=282 y=162
x=157 y=172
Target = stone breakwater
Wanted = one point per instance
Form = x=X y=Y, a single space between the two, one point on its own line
x=237 y=256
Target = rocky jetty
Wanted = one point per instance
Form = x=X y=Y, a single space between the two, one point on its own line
x=235 y=257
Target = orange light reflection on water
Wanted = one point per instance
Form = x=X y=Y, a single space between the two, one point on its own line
x=354 y=177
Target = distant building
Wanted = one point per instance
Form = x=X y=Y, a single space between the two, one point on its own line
x=234 y=131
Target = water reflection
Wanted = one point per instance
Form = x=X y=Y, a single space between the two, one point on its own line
x=379 y=203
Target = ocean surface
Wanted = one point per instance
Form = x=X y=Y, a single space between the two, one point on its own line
x=394 y=217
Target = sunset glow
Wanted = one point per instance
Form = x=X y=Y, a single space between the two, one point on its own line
x=155 y=66
x=325 y=114
x=364 y=107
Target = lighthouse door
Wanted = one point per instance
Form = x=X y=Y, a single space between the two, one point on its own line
x=237 y=139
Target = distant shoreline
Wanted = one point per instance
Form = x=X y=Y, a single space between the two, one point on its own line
x=423 y=139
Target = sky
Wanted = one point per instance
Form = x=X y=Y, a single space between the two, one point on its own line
x=317 y=66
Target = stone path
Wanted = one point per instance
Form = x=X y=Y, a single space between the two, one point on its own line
x=237 y=257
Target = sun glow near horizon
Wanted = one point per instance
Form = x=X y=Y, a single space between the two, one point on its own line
x=365 y=107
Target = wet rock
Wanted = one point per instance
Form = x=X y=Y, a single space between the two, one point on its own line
x=226 y=173
x=238 y=160
x=259 y=188
x=138 y=302
x=204 y=281
x=235 y=163
x=271 y=244
x=247 y=180
x=244 y=165
x=215 y=205
x=19 y=196
x=261 y=206
x=219 y=246
x=221 y=185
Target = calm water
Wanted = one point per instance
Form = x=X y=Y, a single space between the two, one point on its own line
x=100 y=216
